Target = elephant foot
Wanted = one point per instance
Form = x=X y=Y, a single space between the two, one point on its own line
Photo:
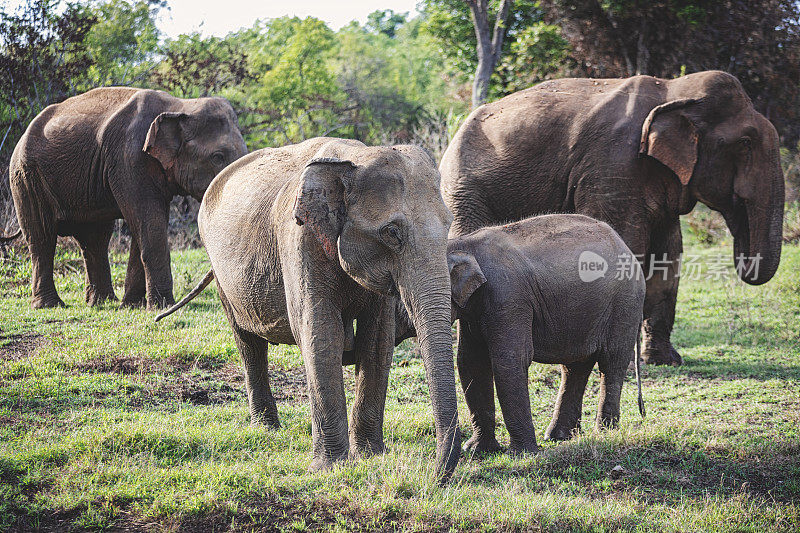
x=367 y=449
x=322 y=463
x=46 y=302
x=522 y=448
x=151 y=303
x=95 y=297
x=158 y=304
x=264 y=419
x=661 y=354
x=134 y=302
x=607 y=422
x=477 y=445
x=560 y=433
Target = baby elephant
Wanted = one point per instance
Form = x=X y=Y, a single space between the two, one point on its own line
x=559 y=289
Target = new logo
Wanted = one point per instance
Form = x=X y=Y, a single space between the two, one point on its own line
x=591 y=266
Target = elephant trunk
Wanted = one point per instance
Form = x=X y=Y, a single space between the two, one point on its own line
x=757 y=227
x=425 y=291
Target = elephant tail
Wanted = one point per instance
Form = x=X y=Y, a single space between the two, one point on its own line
x=189 y=297
x=6 y=240
x=636 y=365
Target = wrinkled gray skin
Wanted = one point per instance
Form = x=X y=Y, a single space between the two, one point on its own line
x=519 y=298
x=112 y=153
x=306 y=238
x=635 y=153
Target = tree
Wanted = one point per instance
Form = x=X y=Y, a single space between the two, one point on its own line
x=757 y=41
x=42 y=59
x=538 y=53
x=385 y=21
x=123 y=41
x=391 y=83
x=450 y=24
x=193 y=66
x=490 y=44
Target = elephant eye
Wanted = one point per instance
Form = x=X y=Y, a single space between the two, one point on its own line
x=745 y=143
x=391 y=235
x=218 y=159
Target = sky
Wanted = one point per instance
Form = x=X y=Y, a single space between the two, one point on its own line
x=218 y=17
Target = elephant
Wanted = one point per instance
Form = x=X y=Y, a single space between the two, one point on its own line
x=307 y=238
x=636 y=153
x=542 y=290
x=109 y=153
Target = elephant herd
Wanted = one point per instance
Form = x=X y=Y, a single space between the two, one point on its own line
x=306 y=240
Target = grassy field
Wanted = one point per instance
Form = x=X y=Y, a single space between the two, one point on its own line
x=110 y=421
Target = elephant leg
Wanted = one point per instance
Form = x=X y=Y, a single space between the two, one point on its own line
x=374 y=345
x=253 y=350
x=149 y=228
x=135 y=286
x=477 y=382
x=613 y=366
x=317 y=326
x=660 y=300
x=569 y=403
x=42 y=246
x=510 y=350
x=94 y=246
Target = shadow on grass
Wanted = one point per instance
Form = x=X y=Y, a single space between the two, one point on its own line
x=727 y=364
x=284 y=511
x=732 y=369
x=660 y=470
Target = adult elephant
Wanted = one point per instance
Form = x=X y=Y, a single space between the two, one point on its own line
x=635 y=153
x=112 y=153
x=305 y=239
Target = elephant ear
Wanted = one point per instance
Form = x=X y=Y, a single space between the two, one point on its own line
x=165 y=137
x=320 y=200
x=670 y=136
x=466 y=277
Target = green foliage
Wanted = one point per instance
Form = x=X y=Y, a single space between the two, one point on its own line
x=532 y=50
x=291 y=79
x=122 y=42
x=295 y=81
x=41 y=58
x=193 y=66
x=385 y=21
x=538 y=52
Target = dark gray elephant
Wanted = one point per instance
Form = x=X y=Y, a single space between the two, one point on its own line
x=635 y=153
x=305 y=239
x=544 y=289
x=556 y=289
x=112 y=153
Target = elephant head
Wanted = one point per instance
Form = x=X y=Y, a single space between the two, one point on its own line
x=194 y=144
x=379 y=213
x=727 y=154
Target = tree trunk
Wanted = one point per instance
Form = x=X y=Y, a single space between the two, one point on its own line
x=490 y=46
x=642 y=53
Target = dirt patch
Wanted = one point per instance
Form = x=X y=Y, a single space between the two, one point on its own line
x=199 y=382
x=19 y=346
x=288 y=386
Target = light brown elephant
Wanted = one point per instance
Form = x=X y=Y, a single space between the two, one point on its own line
x=305 y=239
x=110 y=153
x=636 y=153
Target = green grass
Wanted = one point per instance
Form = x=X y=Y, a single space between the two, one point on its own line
x=108 y=420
